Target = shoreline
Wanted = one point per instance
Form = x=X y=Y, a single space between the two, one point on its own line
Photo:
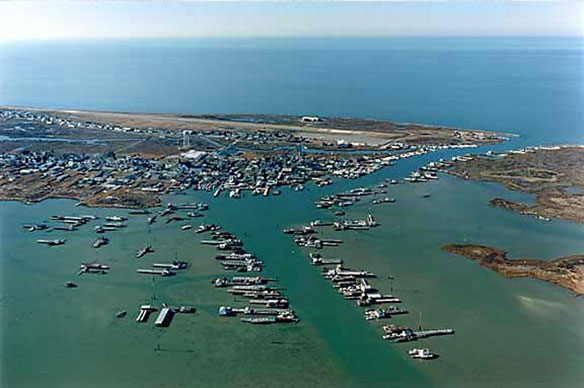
x=566 y=272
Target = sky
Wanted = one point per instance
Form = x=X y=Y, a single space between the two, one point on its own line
x=48 y=20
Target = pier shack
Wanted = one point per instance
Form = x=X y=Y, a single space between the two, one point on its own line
x=164 y=317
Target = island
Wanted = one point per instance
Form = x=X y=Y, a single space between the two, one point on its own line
x=567 y=272
x=113 y=159
x=554 y=175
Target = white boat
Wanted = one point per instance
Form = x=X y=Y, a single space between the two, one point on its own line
x=186 y=227
x=543 y=218
x=423 y=354
x=116 y=218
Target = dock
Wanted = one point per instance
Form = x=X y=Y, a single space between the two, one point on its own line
x=176 y=265
x=161 y=272
x=433 y=332
x=405 y=334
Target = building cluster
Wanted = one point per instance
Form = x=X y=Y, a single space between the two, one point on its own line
x=84 y=175
x=227 y=160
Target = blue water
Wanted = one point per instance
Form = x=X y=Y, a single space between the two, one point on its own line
x=533 y=87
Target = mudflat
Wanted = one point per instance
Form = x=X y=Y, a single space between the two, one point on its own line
x=555 y=175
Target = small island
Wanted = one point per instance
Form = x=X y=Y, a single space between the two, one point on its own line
x=555 y=175
x=567 y=272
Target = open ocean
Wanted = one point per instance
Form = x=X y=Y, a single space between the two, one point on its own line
x=509 y=332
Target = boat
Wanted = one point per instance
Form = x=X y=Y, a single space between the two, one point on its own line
x=376 y=298
x=100 y=242
x=151 y=220
x=114 y=225
x=166 y=211
x=321 y=223
x=225 y=311
x=371 y=221
x=382 y=313
x=186 y=227
x=221 y=282
x=287 y=316
x=70 y=285
x=207 y=227
x=116 y=218
x=542 y=218
x=194 y=214
x=423 y=354
x=32 y=228
x=93 y=268
x=121 y=314
x=141 y=252
x=316 y=259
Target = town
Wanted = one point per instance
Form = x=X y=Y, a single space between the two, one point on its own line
x=47 y=155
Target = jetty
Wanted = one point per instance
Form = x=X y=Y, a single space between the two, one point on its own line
x=175 y=265
x=404 y=334
x=161 y=272
x=371 y=299
x=52 y=242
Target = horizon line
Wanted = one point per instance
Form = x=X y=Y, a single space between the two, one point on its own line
x=242 y=37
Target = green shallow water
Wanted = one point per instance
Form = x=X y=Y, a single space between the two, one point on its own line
x=518 y=332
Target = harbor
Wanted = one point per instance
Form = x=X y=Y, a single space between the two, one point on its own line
x=179 y=226
x=358 y=252
x=355 y=283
